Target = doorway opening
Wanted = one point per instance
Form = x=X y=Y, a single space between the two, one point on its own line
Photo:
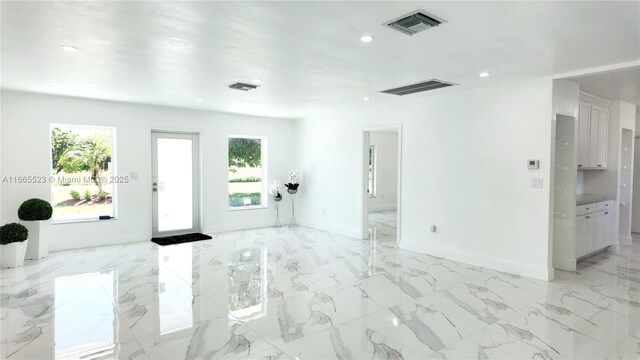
x=381 y=184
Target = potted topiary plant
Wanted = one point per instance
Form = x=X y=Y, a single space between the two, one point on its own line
x=13 y=244
x=33 y=212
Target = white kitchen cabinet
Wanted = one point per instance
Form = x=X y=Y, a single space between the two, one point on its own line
x=603 y=138
x=594 y=227
x=583 y=134
x=604 y=227
x=585 y=234
x=593 y=136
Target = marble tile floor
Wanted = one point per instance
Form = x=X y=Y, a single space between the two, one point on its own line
x=280 y=293
x=383 y=225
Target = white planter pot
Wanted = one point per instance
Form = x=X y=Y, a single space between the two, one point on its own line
x=38 y=246
x=12 y=255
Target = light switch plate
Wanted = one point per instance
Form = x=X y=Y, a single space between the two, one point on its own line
x=537 y=183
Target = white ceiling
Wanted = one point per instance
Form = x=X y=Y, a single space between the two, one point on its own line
x=308 y=54
x=622 y=84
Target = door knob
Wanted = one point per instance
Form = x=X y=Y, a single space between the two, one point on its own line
x=155 y=189
x=155 y=183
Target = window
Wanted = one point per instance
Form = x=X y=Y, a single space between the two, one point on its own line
x=371 y=190
x=82 y=172
x=246 y=172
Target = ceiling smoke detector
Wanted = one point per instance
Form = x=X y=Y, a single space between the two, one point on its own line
x=415 y=22
x=243 y=86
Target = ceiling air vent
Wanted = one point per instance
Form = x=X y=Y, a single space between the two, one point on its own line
x=415 y=22
x=419 y=87
x=243 y=86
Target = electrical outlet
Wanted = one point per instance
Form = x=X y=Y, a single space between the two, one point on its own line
x=537 y=183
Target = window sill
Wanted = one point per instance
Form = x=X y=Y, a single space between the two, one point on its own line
x=240 y=208
x=77 y=221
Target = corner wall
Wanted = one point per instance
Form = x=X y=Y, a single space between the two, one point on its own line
x=464 y=169
x=26 y=151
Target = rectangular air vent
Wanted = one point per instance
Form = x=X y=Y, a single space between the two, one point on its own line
x=419 y=87
x=415 y=22
x=243 y=86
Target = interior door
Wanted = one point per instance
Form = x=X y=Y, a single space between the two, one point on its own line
x=175 y=183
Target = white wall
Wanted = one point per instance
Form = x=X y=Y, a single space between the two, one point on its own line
x=386 y=143
x=25 y=151
x=473 y=182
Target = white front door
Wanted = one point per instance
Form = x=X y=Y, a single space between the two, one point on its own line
x=175 y=183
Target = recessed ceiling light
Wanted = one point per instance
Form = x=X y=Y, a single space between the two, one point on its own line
x=366 y=98
x=366 y=38
x=485 y=74
x=257 y=81
x=69 y=48
x=199 y=100
x=178 y=44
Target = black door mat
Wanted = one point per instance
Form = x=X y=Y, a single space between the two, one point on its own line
x=179 y=239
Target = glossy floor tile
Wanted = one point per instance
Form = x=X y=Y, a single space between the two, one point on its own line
x=281 y=293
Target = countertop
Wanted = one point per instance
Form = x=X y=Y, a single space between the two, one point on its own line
x=582 y=199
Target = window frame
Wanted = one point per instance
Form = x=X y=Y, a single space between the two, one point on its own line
x=373 y=158
x=112 y=165
x=263 y=178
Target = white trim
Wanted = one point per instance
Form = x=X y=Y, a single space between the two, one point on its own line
x=499 y=264
x=625 y=240
x=596 y=70
x=264 y=161
x=364 y=181
x=349 y=232
x=113 y=167
x=196 y=151
x=595 y=100
x=383 y=208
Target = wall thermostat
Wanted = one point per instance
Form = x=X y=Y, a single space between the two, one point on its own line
x=533 y=164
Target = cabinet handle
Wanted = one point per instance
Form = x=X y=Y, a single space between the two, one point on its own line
x=606 y=213
x=579 y=165
x=587 y=217
x=599 y=165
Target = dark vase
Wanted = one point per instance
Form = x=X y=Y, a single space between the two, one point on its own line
x=292 y=188
x=278 y=197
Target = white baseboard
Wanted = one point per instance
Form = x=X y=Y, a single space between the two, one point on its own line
x=90 y=242
x=352 y=233
x=625 y=240
x=541 y=273
x=566 y=264
x=383 y=208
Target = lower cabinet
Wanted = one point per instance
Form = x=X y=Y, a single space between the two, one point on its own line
x=604 y=227
x=594 y=231
x=585 y=234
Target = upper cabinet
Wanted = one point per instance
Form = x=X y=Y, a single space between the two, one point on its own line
x=593 y=135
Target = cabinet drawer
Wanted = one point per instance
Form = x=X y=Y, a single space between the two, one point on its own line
x=585 y=209
x=604 y=205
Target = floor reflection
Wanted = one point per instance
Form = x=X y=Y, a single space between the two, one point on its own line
x=175 y=296
x=248 y=284
x=85 y=321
